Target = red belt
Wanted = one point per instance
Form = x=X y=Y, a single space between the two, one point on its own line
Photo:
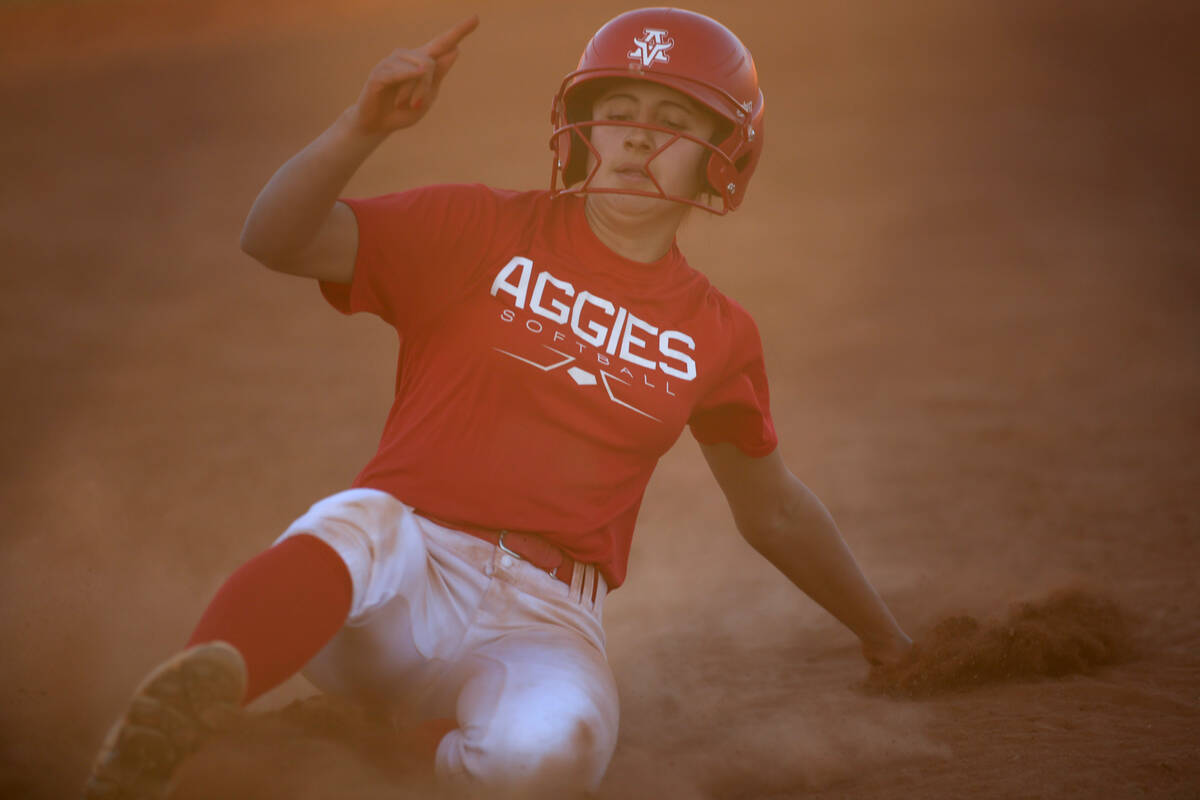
x=525 y=546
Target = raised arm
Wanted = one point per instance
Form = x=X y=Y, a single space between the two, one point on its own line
x=790 y=527
x=296 y=225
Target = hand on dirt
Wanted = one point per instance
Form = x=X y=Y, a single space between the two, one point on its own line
x=401 y=88
x=886 y=652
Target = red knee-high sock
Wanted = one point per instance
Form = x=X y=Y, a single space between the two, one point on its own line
x=279 y=609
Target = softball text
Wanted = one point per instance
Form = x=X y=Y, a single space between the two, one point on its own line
x=627 y=338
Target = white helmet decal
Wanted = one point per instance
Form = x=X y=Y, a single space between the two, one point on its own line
x=652 y=47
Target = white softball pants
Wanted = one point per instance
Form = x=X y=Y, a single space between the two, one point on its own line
x=445 y=625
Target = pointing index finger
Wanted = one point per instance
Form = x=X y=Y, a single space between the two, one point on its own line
x=446 y=42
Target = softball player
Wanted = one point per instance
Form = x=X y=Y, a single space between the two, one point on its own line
x=554 y=344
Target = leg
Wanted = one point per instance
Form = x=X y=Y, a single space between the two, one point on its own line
x=265 y=623
x=513 y=654
x=538 y=715
x=278 y=609
x=408 y=622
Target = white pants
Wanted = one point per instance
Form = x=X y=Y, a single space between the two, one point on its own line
x=443 y=624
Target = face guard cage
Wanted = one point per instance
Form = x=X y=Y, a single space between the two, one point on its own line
x=719 y=174
x=579 y=133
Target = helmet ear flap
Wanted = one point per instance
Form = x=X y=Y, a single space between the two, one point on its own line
x=729 y=178
x=572 y=110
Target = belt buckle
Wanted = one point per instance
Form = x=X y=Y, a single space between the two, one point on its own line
x=501 y=545
x=503 y=548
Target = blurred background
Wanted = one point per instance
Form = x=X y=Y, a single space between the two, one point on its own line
x=973 y=253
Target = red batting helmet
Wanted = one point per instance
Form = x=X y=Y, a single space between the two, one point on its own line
x=682 y=50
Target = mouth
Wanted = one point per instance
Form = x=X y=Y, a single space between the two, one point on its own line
x=631 y=173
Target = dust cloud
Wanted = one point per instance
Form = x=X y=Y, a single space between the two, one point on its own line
x=687 y=740
x=1071 y=632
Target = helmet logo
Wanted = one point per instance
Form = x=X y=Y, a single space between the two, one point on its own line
x=652 y=47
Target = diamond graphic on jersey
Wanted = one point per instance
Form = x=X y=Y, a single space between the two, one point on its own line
x=543 y=367
x=582 y=376
x=605 y=376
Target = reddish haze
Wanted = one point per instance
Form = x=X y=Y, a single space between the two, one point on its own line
x=973 y=253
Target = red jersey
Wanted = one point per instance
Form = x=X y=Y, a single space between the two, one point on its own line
x=541 y=375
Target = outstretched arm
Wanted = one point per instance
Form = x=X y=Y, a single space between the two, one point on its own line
x=296 y=225
x=789 y=526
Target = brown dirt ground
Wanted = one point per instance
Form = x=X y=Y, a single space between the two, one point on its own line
x=972 y=248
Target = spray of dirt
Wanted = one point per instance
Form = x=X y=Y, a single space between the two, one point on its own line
x=315 y=747
x=311 y=748
x=777 y=738
x=1072 y=631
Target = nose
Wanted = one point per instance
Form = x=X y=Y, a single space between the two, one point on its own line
x=638 y=139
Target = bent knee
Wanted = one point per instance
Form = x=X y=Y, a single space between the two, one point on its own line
x=545 y=756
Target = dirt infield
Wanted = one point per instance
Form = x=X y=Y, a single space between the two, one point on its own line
x=972 y=249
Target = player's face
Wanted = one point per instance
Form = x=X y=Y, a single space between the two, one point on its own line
x=627 y=153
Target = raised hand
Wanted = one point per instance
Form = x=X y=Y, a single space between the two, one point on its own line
x=402 y=87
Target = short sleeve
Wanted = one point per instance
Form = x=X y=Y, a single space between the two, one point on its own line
x=417 y=251
x=737 y=409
